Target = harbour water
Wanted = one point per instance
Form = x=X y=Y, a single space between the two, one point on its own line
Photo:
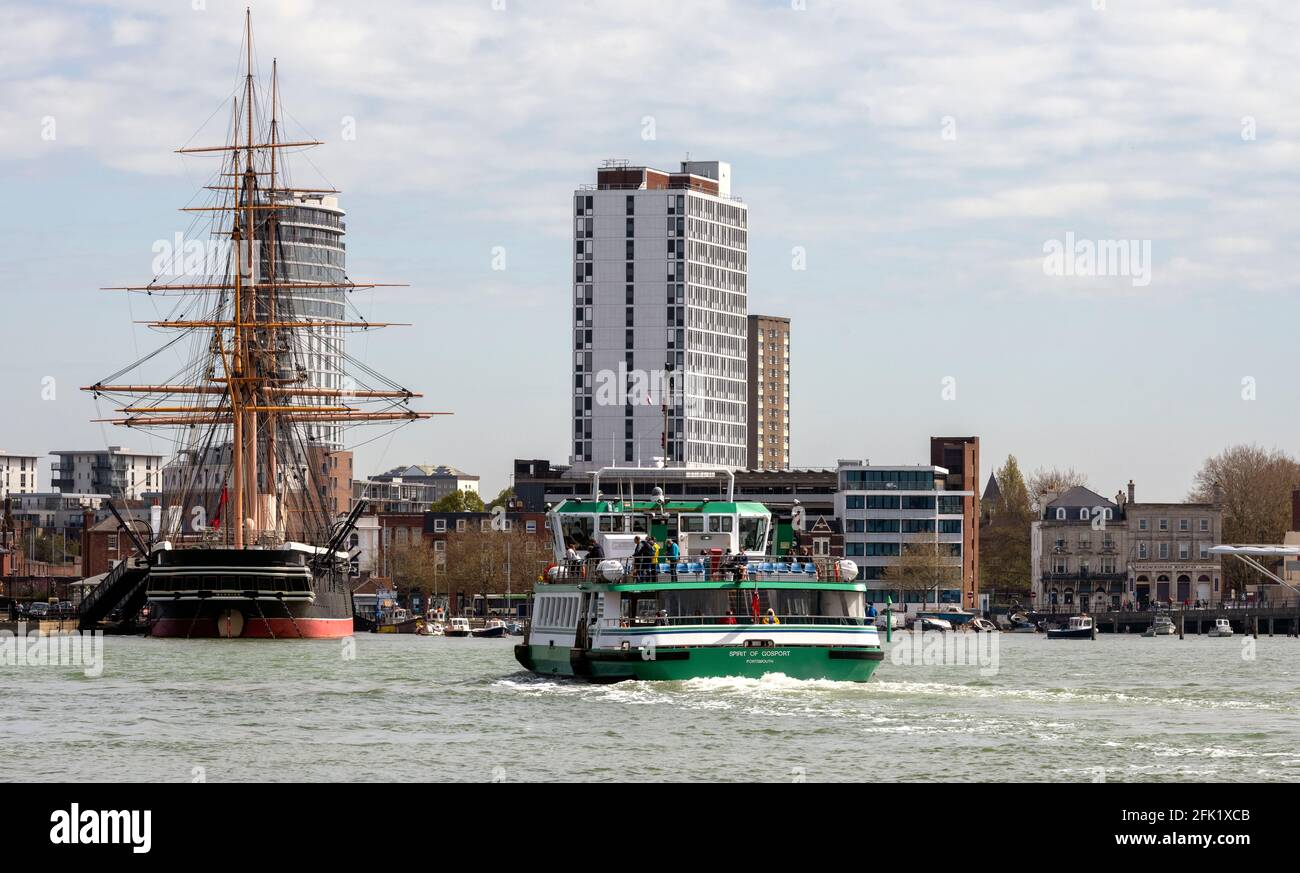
x=408 y=708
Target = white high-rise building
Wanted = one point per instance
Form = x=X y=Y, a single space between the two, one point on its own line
x=17 y=474
x=120 y=473
x=660 y=304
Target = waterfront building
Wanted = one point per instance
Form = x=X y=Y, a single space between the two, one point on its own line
x=885 y=509
x=659 y=318
x=120 y=473
x=1078 y=551
x=17 y=474
x=769 y=392
x=1092 y=553
x=1169 y=557
x=960 y=456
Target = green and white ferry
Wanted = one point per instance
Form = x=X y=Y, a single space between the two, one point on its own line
x=602 y=615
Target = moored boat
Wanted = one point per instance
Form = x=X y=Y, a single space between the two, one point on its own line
x=1160 y=627
x=1222 y=628
x=245 y=545
x=457 y=627
x=492 y=629
x=1080 y=627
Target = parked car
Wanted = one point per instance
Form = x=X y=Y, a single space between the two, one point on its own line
x=38 y=610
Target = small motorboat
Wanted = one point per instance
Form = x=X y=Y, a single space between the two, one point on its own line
x=1222 y=628
x=515 y=629
x=494 y=627
x=925 y=623
x=432 y=629
x=1019 y=623
x=891 y=618
x=399 y=621
x=1079 y=628
x=982 y=625
x=1161 y=627
x=458 y=627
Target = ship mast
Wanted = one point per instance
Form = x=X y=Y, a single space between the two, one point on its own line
x=253 y=396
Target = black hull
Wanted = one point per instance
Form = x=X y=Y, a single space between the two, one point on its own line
x=248 y=593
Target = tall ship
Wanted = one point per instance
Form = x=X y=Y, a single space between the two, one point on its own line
x=612 y=608
x=257 y=393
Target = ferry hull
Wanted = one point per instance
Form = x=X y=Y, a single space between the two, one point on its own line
x=837 y=663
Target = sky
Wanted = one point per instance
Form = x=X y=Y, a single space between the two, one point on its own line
x=924 y=182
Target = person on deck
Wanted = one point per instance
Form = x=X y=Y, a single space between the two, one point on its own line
x=771 y=618
x=729 y=618
x=674 y=555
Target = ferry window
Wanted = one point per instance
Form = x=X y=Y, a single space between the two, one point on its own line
x=721 y=523
x=753 y=533
x=691 y=523
x=611 y=523
x=640 y=524
x=578 y=529
x=692 y=603
x=792 y=602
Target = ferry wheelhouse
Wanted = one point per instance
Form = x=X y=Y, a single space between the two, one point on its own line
x=727 y=606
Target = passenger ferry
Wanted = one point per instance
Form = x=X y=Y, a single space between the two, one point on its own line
x=726 y=607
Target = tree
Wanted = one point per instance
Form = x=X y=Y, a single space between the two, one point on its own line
x=1004 y=539
x=458 y=501
x=923 y=567
x=503 y=498
x=493 y=561
x=413 y=569
x=1255 y=487
x=1054 y=479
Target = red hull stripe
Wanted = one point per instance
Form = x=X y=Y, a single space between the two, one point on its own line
x=254 y=628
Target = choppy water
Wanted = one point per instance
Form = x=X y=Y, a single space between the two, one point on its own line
x=417 y=708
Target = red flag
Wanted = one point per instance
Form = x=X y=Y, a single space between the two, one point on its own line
x=216 y=522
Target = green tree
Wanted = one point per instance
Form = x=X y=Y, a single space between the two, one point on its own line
x=1004 y=537
x=503 y=497
x=458 y=501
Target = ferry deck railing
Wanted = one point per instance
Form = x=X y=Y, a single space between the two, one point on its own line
x=707 y=569
x=722 y=622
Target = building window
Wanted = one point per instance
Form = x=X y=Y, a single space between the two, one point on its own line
x=440 y=545
x=1142 y=550
x=1142 y=524
x=1205 y=525
x=1060 y=515
x=1184 y=524
x=1164 y=524
x=439 y=525
x=1083 y=515
x=530 y=527
x=1164 y=551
